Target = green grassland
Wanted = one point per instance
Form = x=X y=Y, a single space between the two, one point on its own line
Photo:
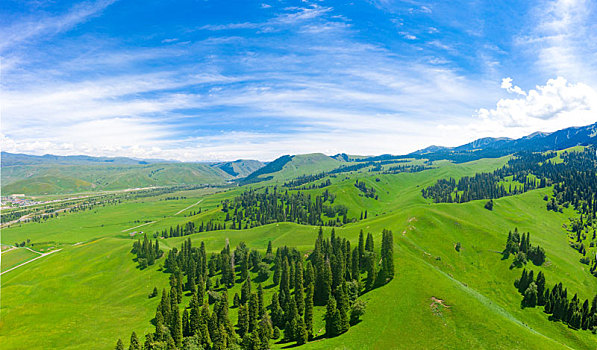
x=15 y=257
x=57 y=178
x=90 y=294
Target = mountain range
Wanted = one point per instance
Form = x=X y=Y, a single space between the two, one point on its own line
x=50 y=174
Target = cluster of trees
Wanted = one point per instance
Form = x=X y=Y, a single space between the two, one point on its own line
x=520 y=246
x=253 y=208
x=491 y=185
x=573 y=312
x=405 y=169
x=147 y=252
x=369 y=192
x=576 y=186
x=304 y=179
x=330 y=276
x=174 y=198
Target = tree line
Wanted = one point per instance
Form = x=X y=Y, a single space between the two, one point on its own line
x=573 y=312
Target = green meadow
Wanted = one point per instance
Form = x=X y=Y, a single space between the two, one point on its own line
x=91 y=293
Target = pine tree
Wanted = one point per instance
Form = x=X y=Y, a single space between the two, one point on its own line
x=326 y=289
x=371 y=266
x=369 y=245
x=186 y=331
x=243 y=320
x=135 y=345
x=195 y=315
x=361 y=248
x=387 y=256
x=342 y=305
x=301 y=331
x=540 y=283
x=253 y=312
x=159 y=326
x=299 y=295
x=177 y=329
x=332 y=318
x=260 y=300
x=119 y=345
x=309 y=311
x=291 y=321
x=245 y=291
x=277 y=314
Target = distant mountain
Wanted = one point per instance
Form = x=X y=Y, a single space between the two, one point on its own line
x=10 y=159
x=288 y=167
x=71 y=178
x=498 y=147
x=240 y=168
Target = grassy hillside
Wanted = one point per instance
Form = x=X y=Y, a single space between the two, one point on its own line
x=57 y=178
x=88 y=295
x=240 y=168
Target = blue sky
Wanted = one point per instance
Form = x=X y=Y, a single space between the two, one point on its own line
x=219 y=80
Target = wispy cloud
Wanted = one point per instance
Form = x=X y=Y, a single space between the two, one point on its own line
x=562 y=39
x=27 y=29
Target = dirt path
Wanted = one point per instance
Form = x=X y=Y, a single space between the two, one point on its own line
x=8 y=250
x=189 y=207
x=147 y=223
x=28 y=261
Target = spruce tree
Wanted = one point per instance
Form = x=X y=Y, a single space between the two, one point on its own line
x=186 y=331
x=331 y=318
x=342 y=305
x=361 y=247
x=177 y=329
x=301 y=331
x=371 y=266
x=135 y=345
x=253 y=312
x=119 y=345
x=260 y=300
x=369 y=245
x=243 y=320
x=277 y=314
x=309 y=311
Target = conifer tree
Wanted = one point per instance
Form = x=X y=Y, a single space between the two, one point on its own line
x=309 y=311
x=369 y=245
x=195 y=315
x=342 y=305
x=277 y=314
x=134 y=345
x=309 y=274
x=361 y=247
x=261 y=309
x=332 y=318
x=301 y=331
x=299 y=295
x=243 y=320
x=177 y=328
x=387 y=256
x=356 y=269
x=119 y=345
x=253 y=312
x=185 y=324
x=159 y=326
x=245 y=292
x=371 y=266
x=291 y=321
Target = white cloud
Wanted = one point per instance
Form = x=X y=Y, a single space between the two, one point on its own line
x=555 y=105
x=507 y=84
